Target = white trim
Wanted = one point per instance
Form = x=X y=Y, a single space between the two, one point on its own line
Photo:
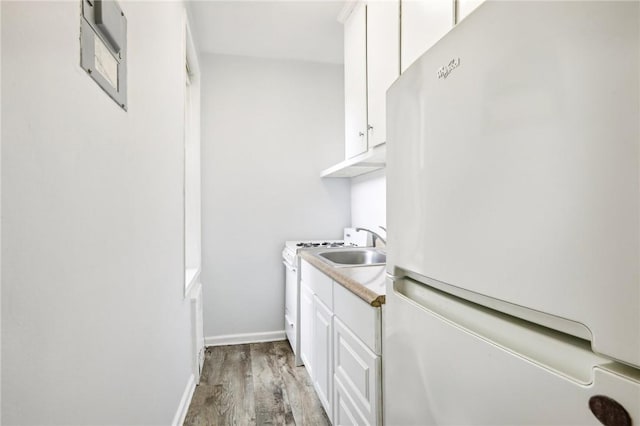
x=193 y=42
x=197 y=331
x=192 y=137
x=185 y=401
x=191 y=276
x=237 y=339
x=191 y=51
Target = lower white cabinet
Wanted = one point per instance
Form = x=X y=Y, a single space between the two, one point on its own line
x=306 y=328
x=323 y=353
x=345 y=411
x=359 y=371
x=341 y=354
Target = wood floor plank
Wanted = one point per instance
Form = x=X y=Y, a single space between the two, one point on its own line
x=255 y=384
x=272 y=402
x=213 y=357
x=305 y=405
x=225 y=395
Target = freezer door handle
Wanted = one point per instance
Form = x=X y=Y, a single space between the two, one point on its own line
x=560 y=353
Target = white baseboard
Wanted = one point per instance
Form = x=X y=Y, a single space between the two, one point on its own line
x=185 y=401
x=237 y=339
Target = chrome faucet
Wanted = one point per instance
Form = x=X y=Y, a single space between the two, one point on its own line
x=374 y=234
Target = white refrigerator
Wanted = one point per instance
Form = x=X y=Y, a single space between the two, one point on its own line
x=513 y=185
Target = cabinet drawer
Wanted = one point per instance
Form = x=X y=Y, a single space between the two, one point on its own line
x=359 y=371
x=360 y=317
x=320 y=284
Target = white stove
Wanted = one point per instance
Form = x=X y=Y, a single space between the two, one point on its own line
x=297 y=245
x=291 y=261
x=292 y=248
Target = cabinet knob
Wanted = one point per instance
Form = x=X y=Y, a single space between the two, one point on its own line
x=360 y=134
x=369 y=127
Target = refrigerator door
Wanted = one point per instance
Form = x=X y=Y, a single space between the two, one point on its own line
x=480 y=367
x=513 y=165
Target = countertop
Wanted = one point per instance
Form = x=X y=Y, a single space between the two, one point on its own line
x=366 y=282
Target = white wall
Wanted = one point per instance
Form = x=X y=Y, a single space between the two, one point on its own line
x=368 y=200
x=0 y=212
x=95 y=329
x=269 y=128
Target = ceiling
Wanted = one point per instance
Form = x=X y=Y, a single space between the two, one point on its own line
x=304 y=30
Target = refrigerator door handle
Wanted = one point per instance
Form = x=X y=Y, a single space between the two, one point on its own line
x=560 y=353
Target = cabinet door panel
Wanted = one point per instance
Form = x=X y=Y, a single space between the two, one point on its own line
x=359 y=370
x=355 y=82
x=346 y=413
x=306 y=328
x=424 y=22
x=323 y=360
x=383 y=62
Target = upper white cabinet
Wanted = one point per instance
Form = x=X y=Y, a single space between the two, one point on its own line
x=382 y=38
x=465 y=7
x=355 y=82
x=371 y=64
x=383 y=63
x=424 y=22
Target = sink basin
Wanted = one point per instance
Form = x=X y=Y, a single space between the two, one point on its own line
x=355 y=257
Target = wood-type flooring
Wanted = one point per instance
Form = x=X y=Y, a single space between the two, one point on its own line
x=254 y=384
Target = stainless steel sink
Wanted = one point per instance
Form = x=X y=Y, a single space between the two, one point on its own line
x=355 y=257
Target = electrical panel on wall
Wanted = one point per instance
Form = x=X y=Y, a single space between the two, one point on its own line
x=103 y=47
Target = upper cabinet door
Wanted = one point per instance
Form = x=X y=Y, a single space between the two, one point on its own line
x=465 y=7
x=383 y=62
x=424 y=22
x=355 y=81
